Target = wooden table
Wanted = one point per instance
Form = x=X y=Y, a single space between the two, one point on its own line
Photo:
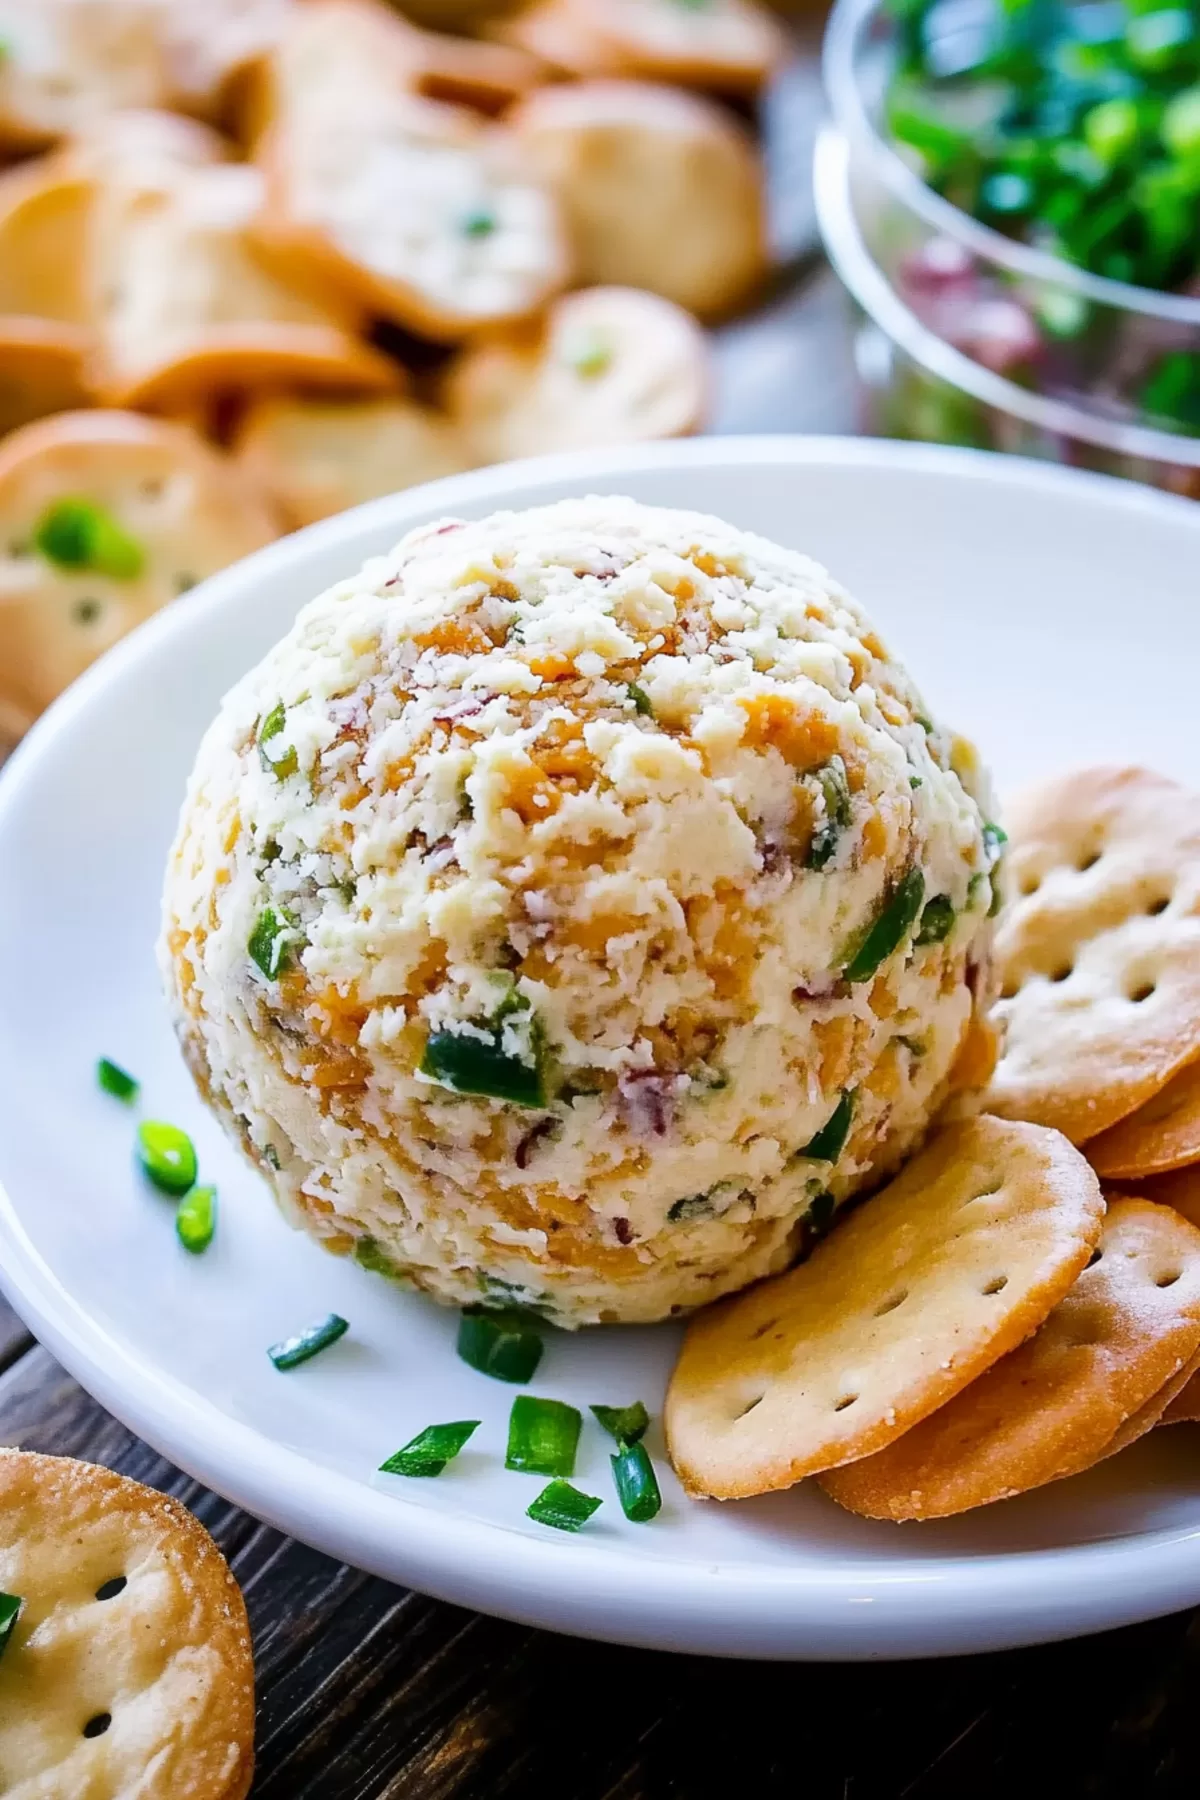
x=367 y=1692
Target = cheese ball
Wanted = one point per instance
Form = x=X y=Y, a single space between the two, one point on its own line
x=576 y=907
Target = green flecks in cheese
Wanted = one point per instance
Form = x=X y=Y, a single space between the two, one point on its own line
x=602 y=883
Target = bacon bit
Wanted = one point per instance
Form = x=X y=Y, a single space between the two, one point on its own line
x=530 y=1141
x=624 y=1231
x=647 y=1101
x=451 y=525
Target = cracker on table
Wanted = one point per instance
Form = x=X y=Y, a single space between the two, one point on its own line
x=188 y=509
x=1161 y=1136
x=660 y=189
x=1096 y=1375
x=316 y=457
x=603 y=366
x=907 y=1302
x=552 y=31
x=1098 y=949
x=730 y=45
x=130 y=1669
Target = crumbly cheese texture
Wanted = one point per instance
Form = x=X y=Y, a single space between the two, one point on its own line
x=576 y=906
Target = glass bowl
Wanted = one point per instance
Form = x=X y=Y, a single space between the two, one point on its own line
x=969 y=337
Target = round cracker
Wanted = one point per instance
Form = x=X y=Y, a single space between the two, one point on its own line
x=43 y=218
x=68 y=62
x=41 y=370
x=1089 y=1382
x=190 y=509
x=1162 y=1135
x=318 y=457
x=605 y=366
x=552 y=31
x=1098 y=949
x=166 y=1660
x=186 y=303
x=904 y=1305
x=660 y=189
x=731 y=45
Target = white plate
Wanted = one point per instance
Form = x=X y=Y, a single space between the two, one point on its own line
x=1055 y=616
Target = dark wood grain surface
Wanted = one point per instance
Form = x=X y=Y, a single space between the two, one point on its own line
x=367 y=1692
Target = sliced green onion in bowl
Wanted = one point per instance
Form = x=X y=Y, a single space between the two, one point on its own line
x=628 y=1424
x=291 y=1352
x=431 y=1449
x=10 y=1612
x=114 y=1080
x=562 y=1507
x=166 y=1156
x=196 y=1219
x=504 y=1342
x=543 y=1436
x=636 y=1484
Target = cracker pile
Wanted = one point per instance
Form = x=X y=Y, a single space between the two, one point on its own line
x=353 y=253
x=994 y=1319
x=128 y=1668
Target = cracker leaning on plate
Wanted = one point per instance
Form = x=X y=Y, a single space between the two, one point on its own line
x=907 y=1302
x=129 y=1670
x=603 y=366
x=660 y=189
x=104 y=518
x=1101 y=1371
x=1160 y=1137
x=1098 y=948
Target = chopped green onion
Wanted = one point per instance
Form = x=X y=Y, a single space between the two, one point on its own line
x=166 y=1156
x=835 y=791
x=819 y=1216
x=628 y=1424
x=994 y=840
x=636 y=1484
x=293 y=1351
x=587 y=352
x=937 y=921
x=196 y=1219
x=640 y=698
x=479 y=222
x=830 y=1141
x=562 y=1507
x=274 y=940
x=889 y=929
x=431 y=1449
x=368 y=1255
x=76 y=534
x=10 y=1612
x=277 y=759
x=475 y=1065
x=501 y=1343
x=543 y=1436
x=113 y=1079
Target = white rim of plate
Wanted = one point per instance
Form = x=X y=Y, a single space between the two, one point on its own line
x=855 y=1610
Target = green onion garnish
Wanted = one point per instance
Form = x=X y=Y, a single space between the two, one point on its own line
x=76 y=534
x=196 y=1219
x=994 y=839
x=828 y=1143
x=278 y=759
x=10 y=1611
x=274 y=940
x=368 y=1255
x=937 y=921
x=636 y=1484
x=640 y=698
x=166 y=1156
x=293 y=1351
x=543 y=1436
x=835 y=791
x=562 y=1507
x=890 y=927
x=431 y=1449
x=819 y=1216
x=113 y=1079
x=474 y=1065
x=628 y=1424
x=501 y=1343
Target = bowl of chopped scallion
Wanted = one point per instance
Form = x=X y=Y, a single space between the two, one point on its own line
x=1010 y=190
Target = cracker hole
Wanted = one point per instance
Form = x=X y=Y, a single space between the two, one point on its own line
x=97 y=1726
x=750 y=1408
x=996 y=1285
x=1168 y=1278
x=975 y=1199
x=111 y=1589
x=1142 y=992
x=1030 y=883
x=845 y=1401
x=1156 y=907
x=763 y=1330
x=891 y=1303
x=1062 y=973
x=1093 y=1259
x=1088 y=862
